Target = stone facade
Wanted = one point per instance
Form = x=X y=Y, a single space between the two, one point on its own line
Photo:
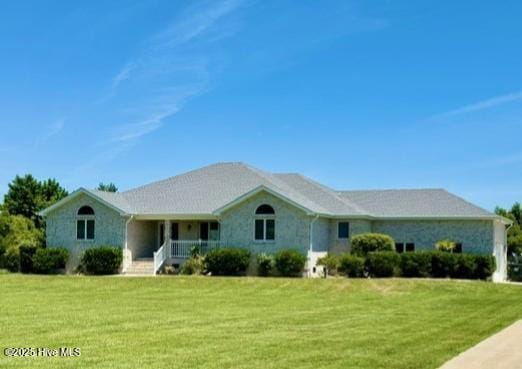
x=476 y=236
x=61 y=227
x=292 y=226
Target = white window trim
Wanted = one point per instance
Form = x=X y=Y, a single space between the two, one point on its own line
x=264 y=218
x=85 y=218
x=339 y=238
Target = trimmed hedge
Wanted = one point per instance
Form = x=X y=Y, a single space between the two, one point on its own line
x=265 y=263
x=383 y=264
x=227 y=261
x=102 y=260
x=330 y=263
x=486 y=266
x=49 y=260
x=290 y=263
x=364 y=243
x=416 y=264
x=26 y=258
x=443 y=264
x=352 y=266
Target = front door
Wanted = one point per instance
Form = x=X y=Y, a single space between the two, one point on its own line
x=161 y=234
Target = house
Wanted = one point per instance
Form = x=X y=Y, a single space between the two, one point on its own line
x=237 y=205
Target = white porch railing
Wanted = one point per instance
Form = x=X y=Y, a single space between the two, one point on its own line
x=180 y=249
x=159 y=257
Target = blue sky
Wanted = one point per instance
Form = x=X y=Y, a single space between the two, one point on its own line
x=367 y=94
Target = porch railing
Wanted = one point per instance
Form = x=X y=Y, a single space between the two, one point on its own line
x=181 y=249
x=160 y=256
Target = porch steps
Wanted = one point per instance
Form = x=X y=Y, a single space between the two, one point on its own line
x=141 y=267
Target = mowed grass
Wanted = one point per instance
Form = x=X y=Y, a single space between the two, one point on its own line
x=209 y=322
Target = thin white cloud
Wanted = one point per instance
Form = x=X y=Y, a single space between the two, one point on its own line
x=165 y=75
x=123 y=75
x=482 y=105
x=51 y=130
x=195 y=21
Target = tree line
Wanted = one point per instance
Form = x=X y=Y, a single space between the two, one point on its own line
x=20 y=224
x=515 y=232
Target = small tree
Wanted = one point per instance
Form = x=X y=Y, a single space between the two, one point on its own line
x=446 y=245
x=364 y=243
x=111 y=187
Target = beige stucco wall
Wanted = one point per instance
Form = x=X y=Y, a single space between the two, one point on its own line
x=61 y=227
x=142 y=238
x=292 y=226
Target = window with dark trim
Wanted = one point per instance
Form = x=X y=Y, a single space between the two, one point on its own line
x=401 y=247
x=85 y=226
x=343 y=230
x=410 y=247
x=264 y=223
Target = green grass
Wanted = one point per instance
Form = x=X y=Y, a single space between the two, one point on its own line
x=202 y=322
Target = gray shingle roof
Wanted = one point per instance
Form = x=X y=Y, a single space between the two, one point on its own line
x=436 y=203
x=208 y=189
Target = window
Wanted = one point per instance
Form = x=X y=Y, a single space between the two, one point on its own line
x=401 y=247
x=209 y=231
x=85 y=225
x=264 y=224
x=410 y=247
x=174 y=231
x=265 y=209
x=343 y=230
x=458 y=248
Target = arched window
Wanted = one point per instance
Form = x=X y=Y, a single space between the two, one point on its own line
x=264 y=223
x=265 y=209
x=85 y=223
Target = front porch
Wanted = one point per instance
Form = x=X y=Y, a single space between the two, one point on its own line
x=155 y=243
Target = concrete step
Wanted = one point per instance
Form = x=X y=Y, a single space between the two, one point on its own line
x=141 y=267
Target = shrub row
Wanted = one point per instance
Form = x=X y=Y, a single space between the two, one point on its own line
x=32 y=259
x=235 y=262
x=425 y=264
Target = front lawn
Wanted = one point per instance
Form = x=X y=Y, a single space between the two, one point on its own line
x=201 y=322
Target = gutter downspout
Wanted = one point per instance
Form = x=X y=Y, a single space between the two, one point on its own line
x=311 y=245
x=127 y=222
x=504 y=276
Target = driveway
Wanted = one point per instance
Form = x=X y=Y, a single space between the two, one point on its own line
x=500 y=351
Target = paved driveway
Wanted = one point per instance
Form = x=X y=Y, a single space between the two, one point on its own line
x=500 y=351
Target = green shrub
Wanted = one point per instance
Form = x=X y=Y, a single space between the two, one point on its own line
x=227 y=261
x=330 y=263
x=290 y=262
x=364 y=243
x=102 y=260
x=416 y=264
x=10 y=260
x=383 y=264
x=194 y=265
x=26 y=258
x=352 y=266
x=265 y=263
x=485 y=266
x=514 y=270
x=443 y=264
x=446 y=245
x=465 y=266
x=50 y=260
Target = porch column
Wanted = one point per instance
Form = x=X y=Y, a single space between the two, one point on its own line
x=167 y=230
